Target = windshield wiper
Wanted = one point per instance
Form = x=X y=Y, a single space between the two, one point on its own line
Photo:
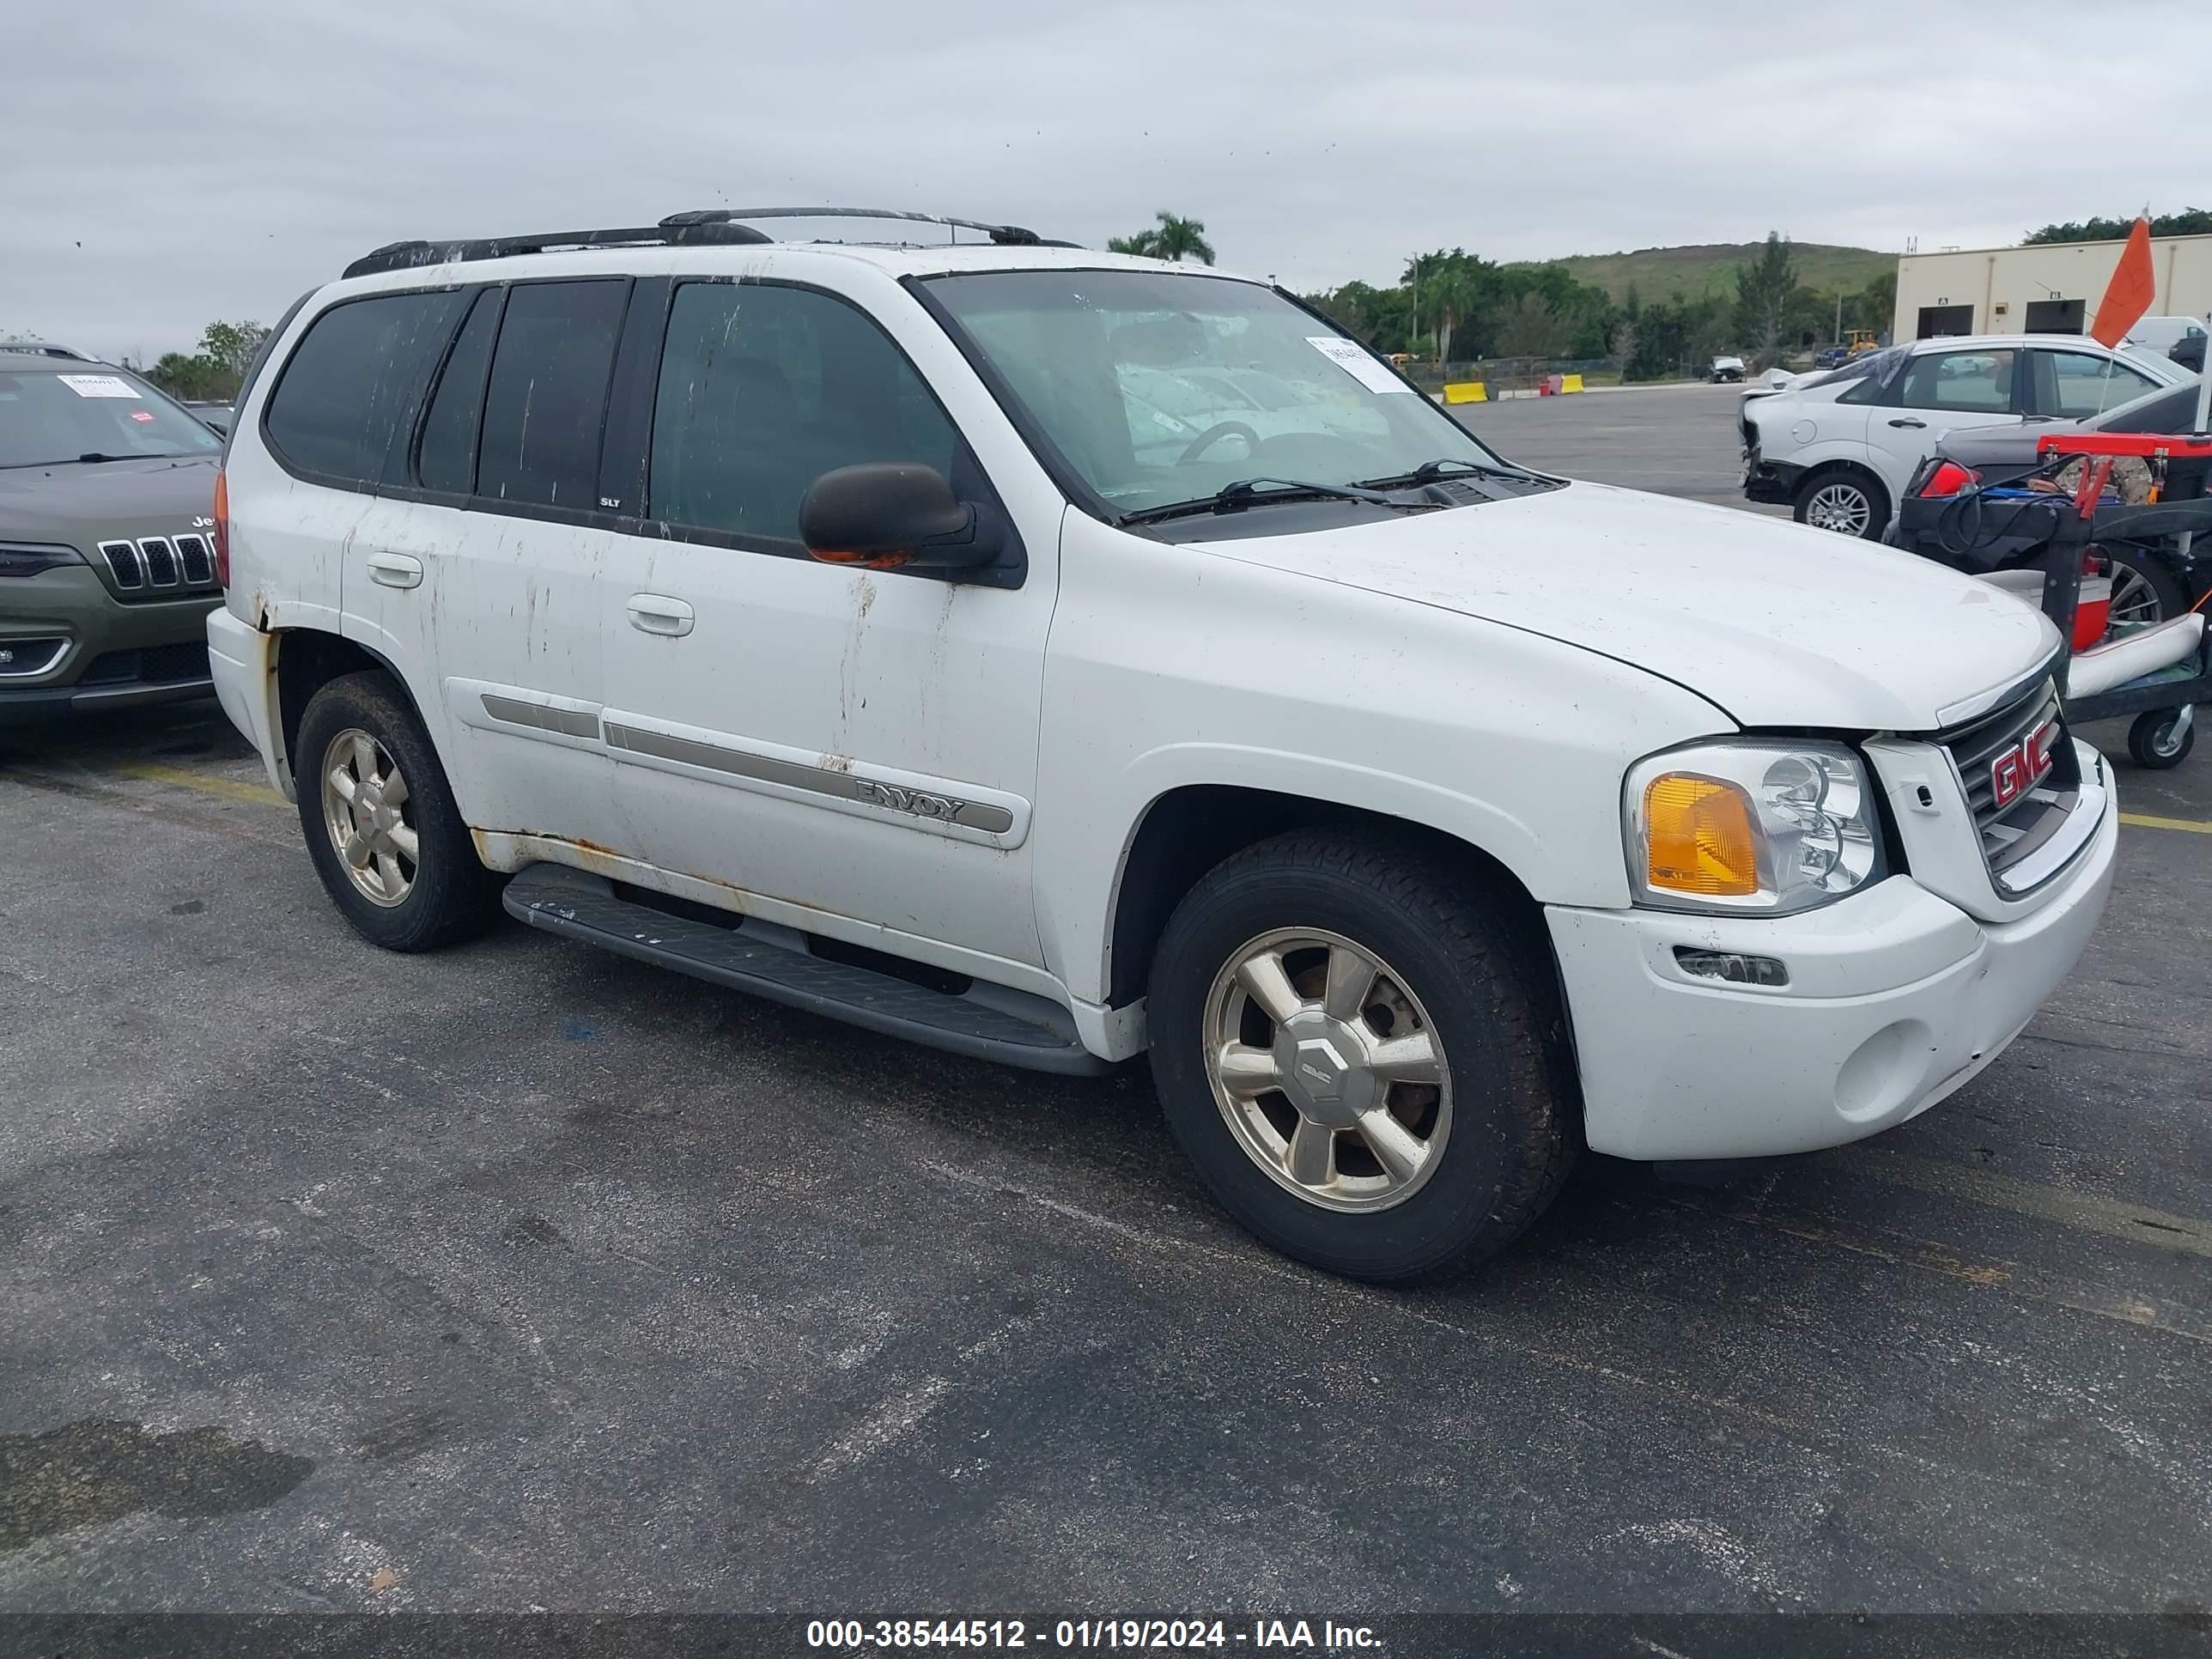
x=1429 y=473
x=1246 y=492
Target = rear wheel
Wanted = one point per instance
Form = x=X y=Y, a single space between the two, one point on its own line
x=1845 y=501
x=380 y=823
x=1359 y=1050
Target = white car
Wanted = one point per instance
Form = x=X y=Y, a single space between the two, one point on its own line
x=801 y=616
x=1840 y=447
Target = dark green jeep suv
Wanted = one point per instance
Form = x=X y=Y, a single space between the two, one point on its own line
x=107 y=539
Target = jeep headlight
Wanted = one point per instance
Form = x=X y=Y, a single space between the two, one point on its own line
x=1752 y=825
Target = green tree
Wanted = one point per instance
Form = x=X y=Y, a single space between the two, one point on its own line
x=1529 y=326
x=1768 y=298
x=232 y=347
x=1875 y=305
x=2190 y=221
x=1172 y=238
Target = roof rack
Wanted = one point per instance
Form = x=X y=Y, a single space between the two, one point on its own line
x=405 y=256
x=1003 y=235
x=706 y=227
x=44 y=348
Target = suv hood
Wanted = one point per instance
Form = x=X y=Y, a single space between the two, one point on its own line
x=1778 y=625
x=77 y=503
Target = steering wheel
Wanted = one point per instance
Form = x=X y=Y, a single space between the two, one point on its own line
x=1213 y=435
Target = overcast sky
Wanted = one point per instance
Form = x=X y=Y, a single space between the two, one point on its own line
x=164 y=162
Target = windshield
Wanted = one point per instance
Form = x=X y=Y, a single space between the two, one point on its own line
x=1156 y=388
x=53 y=415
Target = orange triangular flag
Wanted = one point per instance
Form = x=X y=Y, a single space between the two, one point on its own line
x=2134 y=286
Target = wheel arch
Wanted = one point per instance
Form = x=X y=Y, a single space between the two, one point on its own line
x=1187 y=831
x=308 y=659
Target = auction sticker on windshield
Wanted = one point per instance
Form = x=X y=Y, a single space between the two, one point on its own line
x=1347 y=355
x=98 y=386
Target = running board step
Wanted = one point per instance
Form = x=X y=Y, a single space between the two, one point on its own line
x=988 y=1023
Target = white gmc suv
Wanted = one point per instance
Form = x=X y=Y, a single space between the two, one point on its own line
x=1058 y=656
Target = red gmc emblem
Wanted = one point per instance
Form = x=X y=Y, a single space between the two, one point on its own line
x=2024 y=765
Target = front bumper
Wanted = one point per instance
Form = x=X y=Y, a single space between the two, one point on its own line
x=116 y=656
x=1897 y=997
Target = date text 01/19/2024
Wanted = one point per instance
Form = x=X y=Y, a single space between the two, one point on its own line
x=1315 y=1635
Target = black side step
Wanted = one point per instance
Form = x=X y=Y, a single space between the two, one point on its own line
x=988 y=1023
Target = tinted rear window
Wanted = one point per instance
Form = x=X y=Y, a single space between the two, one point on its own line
x=447 y=459
x=346 y=405
x=547 y=398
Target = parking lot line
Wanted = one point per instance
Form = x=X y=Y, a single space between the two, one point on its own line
x=2137 y=1224
x=256 y=794
x=2145 y=821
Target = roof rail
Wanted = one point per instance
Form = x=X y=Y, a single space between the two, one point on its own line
x=44 y=348
x=1003 y=235
x=406 y=256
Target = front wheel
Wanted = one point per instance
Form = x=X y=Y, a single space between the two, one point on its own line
x=1847 y=502
x=2159 y=740
x=380 y=823
x=1360 y=1052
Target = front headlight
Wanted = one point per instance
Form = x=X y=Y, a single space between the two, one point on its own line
x=1760 y=826
x=29 y=558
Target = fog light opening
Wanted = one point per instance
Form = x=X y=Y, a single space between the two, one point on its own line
x=1731 y=966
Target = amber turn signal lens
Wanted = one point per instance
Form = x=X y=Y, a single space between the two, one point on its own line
x=1698 y=837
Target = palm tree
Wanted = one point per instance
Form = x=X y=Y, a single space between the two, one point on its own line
x=1452 y=297
x=1172 y=239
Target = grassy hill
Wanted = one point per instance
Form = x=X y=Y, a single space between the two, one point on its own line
x=1660 y=273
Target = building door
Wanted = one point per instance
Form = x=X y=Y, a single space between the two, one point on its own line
x=1937 y=320
x=2054 y=316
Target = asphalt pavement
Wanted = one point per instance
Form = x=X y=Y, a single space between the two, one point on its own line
x=521 y=1276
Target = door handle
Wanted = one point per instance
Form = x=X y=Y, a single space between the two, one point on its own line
x=395 y=569
x=1907 y=420
x=656 y=613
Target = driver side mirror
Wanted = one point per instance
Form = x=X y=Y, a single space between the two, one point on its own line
x=891 y=515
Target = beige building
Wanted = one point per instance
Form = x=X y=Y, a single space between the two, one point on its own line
x=2039 y=290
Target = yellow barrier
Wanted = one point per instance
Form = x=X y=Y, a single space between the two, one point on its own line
x=1570 y=383
x=1472 y=391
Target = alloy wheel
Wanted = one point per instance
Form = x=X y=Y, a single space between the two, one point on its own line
x=368 y=812
x=1328 y=1070
x=1842 y=507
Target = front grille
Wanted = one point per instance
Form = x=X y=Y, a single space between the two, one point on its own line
x=198 y=563
x=160 y=561
x=2012 y=831
x=122 y=564
x=153 y=664
x=187 y=660
x=159 y=567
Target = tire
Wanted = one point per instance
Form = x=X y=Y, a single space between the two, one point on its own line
x=2152 y=744
x=1496 y=1130
x=443 y=893
x=2145 y=587
x=1824 y=502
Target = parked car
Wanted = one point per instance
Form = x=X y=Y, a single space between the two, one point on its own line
x=821 y=634
x=1725 y=369
x=107 y=570
x=2158 y=335
x=1839 y=448
x=1834 y=356
x=2151 y=582
x=213 y=414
